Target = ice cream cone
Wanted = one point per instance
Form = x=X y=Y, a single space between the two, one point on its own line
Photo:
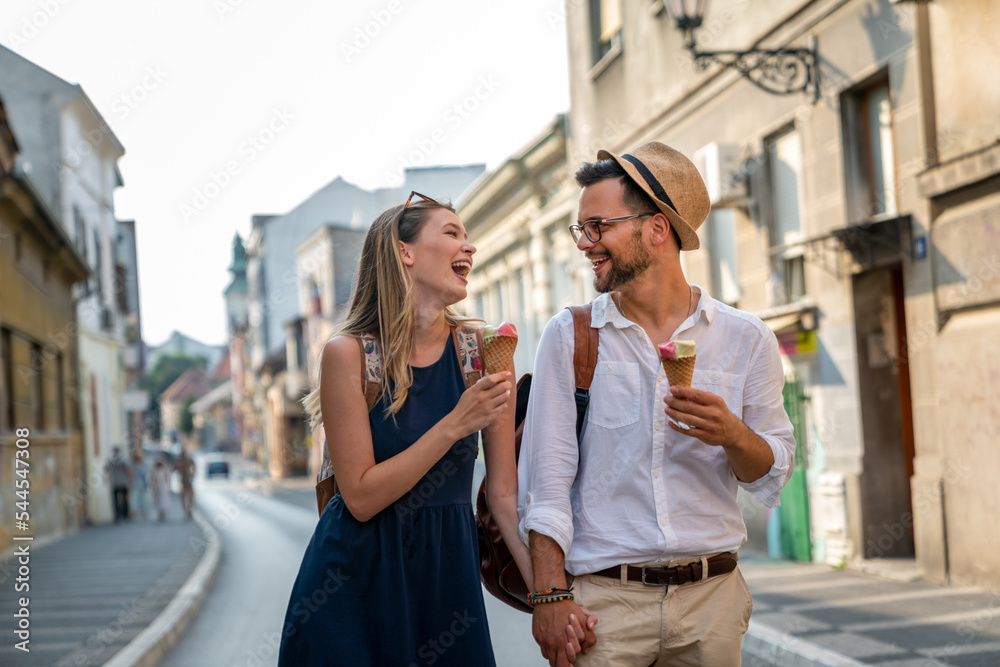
x=498 y=353
x=679 y=371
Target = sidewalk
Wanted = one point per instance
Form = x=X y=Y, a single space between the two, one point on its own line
x=807 y=614
x=112 y=594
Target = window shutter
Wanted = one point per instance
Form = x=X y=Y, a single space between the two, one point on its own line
x=785 y=157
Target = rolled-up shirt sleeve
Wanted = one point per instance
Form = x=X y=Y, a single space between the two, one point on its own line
x=549 y=452
x=764 y=412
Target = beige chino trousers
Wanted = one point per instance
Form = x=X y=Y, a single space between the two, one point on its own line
x=700 y=624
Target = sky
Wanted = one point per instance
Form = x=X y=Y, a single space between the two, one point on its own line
x=229 y=108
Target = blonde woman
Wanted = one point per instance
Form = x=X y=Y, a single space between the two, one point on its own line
x=391 y=575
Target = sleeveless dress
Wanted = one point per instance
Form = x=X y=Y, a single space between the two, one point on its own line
x=403 y=588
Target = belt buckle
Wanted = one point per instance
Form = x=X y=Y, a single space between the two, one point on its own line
x=653 y=583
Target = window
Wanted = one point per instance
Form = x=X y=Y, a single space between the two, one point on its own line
x=34 y=372
x=605 y=26
x=721 y=230
x=99 y=267
x=6 y=382
x=80 y=228
x=784 y=158
x=60 y=393
x=870 y=152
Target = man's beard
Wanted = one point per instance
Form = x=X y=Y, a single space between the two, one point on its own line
x=622 y=271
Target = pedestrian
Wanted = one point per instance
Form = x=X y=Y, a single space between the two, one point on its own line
x=642 y=512
x=140 y=484
x=391 y=576
x=185 y=467
x=119 y=473
x=159 y=486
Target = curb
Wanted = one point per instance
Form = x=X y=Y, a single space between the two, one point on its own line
x=152 y=644
x=781 y=649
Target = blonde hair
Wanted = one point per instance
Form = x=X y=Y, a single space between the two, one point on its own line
x=382 y=301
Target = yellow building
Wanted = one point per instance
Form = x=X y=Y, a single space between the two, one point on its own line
x=38 y=359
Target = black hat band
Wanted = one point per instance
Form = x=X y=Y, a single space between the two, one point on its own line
x=651 y=181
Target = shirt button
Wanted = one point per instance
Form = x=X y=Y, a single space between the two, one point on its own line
x=656 y=474
x=663 y=522
x=715 y=377
x=657 y=426
x=607 y=367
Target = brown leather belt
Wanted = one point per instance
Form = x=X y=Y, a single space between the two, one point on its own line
x=657 y=575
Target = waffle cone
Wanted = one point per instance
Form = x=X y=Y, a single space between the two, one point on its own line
x=679 y=371
x=498 y=354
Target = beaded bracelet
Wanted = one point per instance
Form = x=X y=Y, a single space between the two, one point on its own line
x=549 y=595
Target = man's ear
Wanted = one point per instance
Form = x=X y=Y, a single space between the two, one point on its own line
x=659 y=230
x=405 y=254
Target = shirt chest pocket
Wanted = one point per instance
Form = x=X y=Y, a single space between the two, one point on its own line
x=727 y=385
x=614 y=394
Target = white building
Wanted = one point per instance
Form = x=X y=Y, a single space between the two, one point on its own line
x=70 y=156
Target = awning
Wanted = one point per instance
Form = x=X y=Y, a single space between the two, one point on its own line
x=784 y=323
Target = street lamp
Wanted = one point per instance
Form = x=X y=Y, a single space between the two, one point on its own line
x=778 y=71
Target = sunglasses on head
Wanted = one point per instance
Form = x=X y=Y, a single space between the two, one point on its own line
x=413 y=194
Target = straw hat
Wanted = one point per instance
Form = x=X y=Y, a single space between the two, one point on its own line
x=672 y=182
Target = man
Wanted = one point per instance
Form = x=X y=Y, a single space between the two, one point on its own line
x=185 y=467
x=117 y=469
x=639 y=490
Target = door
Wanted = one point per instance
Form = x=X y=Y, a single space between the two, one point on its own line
x=886 y=414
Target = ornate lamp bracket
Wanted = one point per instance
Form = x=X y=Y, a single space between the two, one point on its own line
x=777 y=71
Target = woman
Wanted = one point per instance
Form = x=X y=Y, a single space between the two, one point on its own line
x=140 y=484
x=159 y=486
x=391 y=575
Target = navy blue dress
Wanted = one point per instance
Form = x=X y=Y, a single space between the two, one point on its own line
x=403 y=588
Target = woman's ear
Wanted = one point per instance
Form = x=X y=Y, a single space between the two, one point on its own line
x=405 y=254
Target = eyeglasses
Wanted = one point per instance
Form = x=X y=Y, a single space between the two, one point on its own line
x=592 y=228
x=413 y=194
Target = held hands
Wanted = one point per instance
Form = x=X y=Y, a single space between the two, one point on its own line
x=707 y=415
x=482 y=403
x=563 y=630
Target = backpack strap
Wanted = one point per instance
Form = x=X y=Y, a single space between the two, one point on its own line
x=371 y=368
x=468 y=340
x=371 y=386
x=586 y=339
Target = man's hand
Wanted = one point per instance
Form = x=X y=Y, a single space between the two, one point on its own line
x=563 y=630
x=713 y=423
x=707 y=414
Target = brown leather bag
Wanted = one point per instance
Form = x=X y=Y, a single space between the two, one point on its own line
x=498 y=571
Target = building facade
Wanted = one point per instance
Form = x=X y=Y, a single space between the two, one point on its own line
x=857 y=219
x=526 y=267
x=39 y=405
x=70 y=157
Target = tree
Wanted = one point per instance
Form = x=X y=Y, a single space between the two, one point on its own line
x=187 y=419
x=165 y=371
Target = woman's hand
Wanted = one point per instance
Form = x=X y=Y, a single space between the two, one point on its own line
x=481 y=403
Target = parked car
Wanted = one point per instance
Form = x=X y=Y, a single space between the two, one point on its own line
x=217 y=466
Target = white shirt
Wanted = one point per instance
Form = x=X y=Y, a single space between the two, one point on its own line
x=634 y=490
